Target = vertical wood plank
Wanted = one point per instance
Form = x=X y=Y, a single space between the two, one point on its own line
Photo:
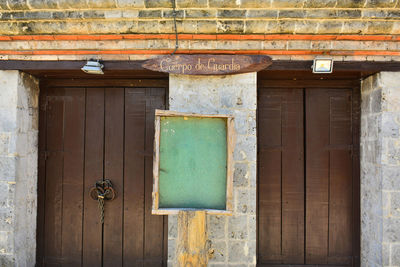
x=281 y=176
x=341 y=182
x=269 y=193
x=54 y=179
x=192 y=239
x=73 y=176
x=153 y=235
x=317 y=173
x=135 y=108
x=293 y=178
x=113 y=170
x=94 y=149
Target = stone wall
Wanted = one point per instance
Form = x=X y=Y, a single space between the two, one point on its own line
x=200 y=16
x=380 y=170
x=18 y=168
x=233 y=238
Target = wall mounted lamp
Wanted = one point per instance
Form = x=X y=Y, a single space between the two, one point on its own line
x=322 y=65
x=93 y=67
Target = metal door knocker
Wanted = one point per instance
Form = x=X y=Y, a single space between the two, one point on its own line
x=102 y=190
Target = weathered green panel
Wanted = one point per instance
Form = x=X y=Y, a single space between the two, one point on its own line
x=193 y=163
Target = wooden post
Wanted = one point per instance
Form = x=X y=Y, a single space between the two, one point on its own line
x=192 y=247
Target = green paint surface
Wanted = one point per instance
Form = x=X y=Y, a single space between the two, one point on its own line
x=192 y=163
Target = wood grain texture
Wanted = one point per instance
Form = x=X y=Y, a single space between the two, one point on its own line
x=208 y=64
x=281 y=176
x=191 y=248
x=91 y=133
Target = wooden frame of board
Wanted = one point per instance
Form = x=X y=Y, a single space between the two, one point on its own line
x=230 y=139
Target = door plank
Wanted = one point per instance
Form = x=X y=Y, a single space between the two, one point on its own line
x=54 y=180
x=94 y=149
x=329 y=177
x=153 y=240
x=135 y=108
x=281 y=176
x=74 y=123
x=113 y=170
x=317 y=176
x=341 y=183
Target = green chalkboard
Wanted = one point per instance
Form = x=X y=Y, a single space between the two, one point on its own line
x=193 y=163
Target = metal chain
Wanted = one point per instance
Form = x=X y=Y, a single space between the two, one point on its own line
x=101 y=208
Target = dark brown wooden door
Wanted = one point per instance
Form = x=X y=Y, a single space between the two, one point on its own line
x=88 y=134
x=308 y=177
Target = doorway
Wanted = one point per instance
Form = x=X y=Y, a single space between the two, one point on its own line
x=92 y=130
x=308 y=173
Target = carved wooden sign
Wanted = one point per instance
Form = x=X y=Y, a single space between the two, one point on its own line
x=208 y=64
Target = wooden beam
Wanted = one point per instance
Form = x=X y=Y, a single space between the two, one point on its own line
x=192 y=247
x=286 y=65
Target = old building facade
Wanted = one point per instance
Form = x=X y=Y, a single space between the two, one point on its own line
x=317 y=156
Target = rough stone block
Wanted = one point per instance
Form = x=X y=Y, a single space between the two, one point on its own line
x=353 y=14
x=17 y=4
x=172 y=226
x=245 y=148
x=216 y=226
x=223 y=3
x=255 y=3
x=380 y=3
x=379 y=27
x=262 y=13
x=320 y=13
x=287 y=3
x=206 y=26
x=305 y=26
x=150 y=13
x=7 y=260
x=291 y=14
x=230 y=26
x=191 y=3
x=100 y=4
x=237 y=227
x=231 y=13
x=148 y=26
x=330 y=27
x=169 y=13
x=395 y=253
x=238 y=251
x=241 y=175
x=390 y=178
x=219 y=249
x=391 y=229
x=7 y=168
x=64 y=4
x=245 y=200
x=158 y=3
x=319 y=3
x=200 y=13
x=280 y=26
x=130 y=3
x=255 y=26
x=350 y=3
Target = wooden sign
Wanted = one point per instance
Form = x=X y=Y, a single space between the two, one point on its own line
x=208 y=64
x=192 y=165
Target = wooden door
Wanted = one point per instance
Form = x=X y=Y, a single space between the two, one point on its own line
x=88 y=134
x=308 y=177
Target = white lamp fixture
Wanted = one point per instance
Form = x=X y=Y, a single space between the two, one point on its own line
x=93 y=67
x=322 y=65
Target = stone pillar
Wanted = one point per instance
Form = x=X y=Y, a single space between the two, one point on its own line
x=232 y=238
x=19 y=94
x=380 y=170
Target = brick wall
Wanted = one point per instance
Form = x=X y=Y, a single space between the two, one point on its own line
x=380 y=169
x=233 y=238
x=200 y=16
x=18 y=168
